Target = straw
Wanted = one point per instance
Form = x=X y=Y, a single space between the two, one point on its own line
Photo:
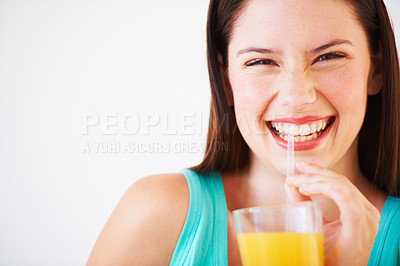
x=289 y=172
x=290 y=156
x=289 y=163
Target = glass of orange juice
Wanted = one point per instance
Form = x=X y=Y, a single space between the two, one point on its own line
x=288 y=234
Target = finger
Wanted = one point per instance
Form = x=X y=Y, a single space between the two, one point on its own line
x=299 y=179
x=345 y=198
x=335 y=180
x=309 y=168
x=327 y=176
x=353 y=205
x=294 y=195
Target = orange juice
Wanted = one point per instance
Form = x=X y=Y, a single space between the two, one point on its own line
x=281 y=248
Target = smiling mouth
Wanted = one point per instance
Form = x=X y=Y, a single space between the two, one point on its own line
x=301 y=132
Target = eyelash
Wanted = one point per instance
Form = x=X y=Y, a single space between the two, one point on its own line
x=261 y=62
x=329 y=56
x=324 y=57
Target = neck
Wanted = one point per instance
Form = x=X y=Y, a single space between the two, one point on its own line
x=348 y=164
x=349 y=167
x=256 y=185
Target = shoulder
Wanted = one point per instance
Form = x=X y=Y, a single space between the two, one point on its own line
x=158 y=190
x=146 y=224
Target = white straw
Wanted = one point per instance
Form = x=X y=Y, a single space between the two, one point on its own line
x=289 y=172
x=289 y=165
x=290 y=156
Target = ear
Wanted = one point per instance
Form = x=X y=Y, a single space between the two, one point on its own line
x=225 y=81
x=375 y=77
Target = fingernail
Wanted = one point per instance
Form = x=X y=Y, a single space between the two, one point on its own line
x=303 y=164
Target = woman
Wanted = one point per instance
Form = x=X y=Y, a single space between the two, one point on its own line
x=325 y=71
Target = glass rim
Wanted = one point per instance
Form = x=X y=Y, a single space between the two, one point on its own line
x=258 y=209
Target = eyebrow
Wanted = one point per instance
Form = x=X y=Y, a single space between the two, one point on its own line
x=256 y=50
x=316 y=50
x=330 y=44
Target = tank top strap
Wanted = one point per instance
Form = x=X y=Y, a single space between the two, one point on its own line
x=386 y=248
x=203 y=240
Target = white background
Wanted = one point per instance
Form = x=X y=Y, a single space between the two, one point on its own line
x=77 y=73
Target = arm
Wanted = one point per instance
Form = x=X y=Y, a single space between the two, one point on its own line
x=146 y=224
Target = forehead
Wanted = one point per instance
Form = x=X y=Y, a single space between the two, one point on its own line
x=299 y=21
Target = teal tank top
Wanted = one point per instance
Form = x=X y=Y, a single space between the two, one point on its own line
x=203 y=240
x=386 y=248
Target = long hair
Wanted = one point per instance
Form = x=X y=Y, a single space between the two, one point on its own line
x=379 y=138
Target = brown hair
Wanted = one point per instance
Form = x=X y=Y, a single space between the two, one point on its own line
x=379 y=137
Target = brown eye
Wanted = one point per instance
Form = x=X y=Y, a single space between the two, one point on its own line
x=329 y=56
x=261 y=62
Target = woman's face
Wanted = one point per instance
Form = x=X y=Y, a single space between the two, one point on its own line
x=303 y=68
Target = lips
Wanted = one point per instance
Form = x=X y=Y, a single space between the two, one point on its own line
x=308 y=132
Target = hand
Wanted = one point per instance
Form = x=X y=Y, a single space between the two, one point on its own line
x=347 y=241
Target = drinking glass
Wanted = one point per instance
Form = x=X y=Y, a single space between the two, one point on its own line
x=281 y=235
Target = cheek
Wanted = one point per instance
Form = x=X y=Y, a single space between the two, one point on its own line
x=346 y=88
x=251 y=94
x=346 y=91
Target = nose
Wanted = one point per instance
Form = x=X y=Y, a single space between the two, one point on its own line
x=296 y=90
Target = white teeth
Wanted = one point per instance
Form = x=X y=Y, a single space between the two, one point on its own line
x=323 y=125
x=300 y=138
x=319 y=125
x=304 y=130
x=293 y=130
x=286 y=128
x=313 y=128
